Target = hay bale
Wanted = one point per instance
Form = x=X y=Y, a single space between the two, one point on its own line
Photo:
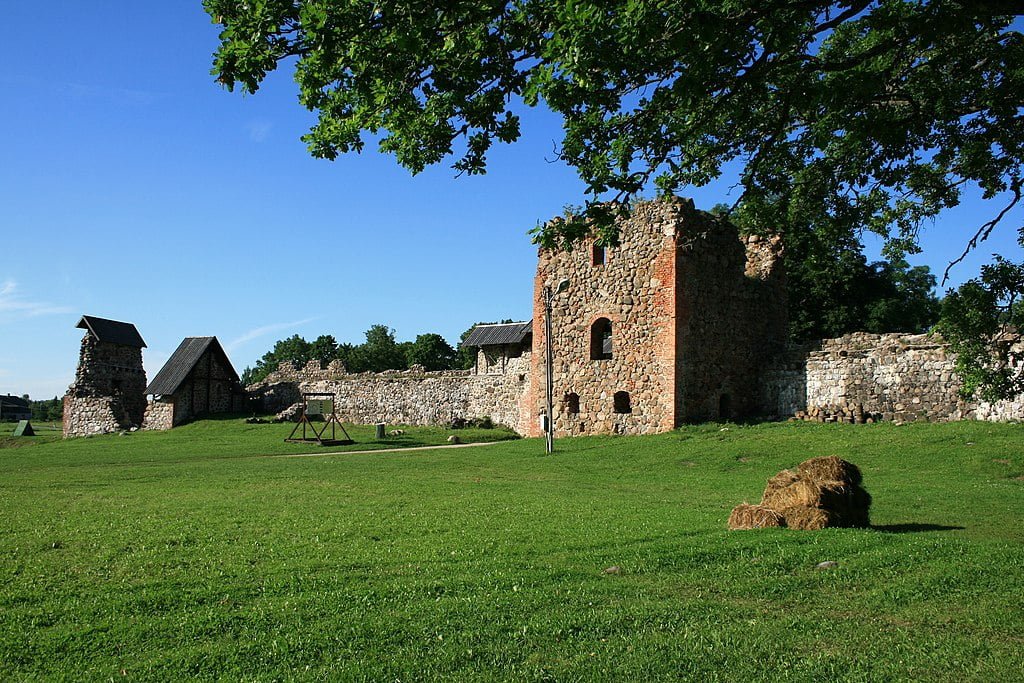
x=822 y=492
x=807 y=518
x=803 y=491
x=830 y=468
x=779 y=482
x=745 y=516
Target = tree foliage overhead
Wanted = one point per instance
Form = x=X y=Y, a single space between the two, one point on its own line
x=869 y=114
x=839 y=116
x=982 y=321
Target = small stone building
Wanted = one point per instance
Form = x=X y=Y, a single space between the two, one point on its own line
x=108 y=394
x=674 y=324
x=197 y=380
x=501 y=348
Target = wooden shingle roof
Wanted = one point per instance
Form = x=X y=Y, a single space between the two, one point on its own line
x=177 y=368
x=112 y=331
x=15 y=401
x=497 y=335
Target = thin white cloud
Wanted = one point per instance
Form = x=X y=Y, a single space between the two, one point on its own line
x=119 y=96
x=13 y=306
x=259 y=130
x=257 y=332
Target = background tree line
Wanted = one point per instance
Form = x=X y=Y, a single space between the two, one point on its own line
x=48 y=410
x=379 y=352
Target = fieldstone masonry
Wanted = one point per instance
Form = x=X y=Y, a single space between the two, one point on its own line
x=875 y=376
x=197 y=380
x=695 y=312
x=683 y=321
x=108 y=393
x=413 y=397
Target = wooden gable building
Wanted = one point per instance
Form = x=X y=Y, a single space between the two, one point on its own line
x=197 y=380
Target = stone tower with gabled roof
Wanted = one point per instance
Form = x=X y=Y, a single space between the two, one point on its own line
x=109 y=390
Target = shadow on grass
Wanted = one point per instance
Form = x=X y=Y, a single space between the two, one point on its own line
x=913 y=528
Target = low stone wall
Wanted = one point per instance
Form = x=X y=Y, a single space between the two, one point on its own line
x=856 y=378
x=889 y=376
x=412 y=397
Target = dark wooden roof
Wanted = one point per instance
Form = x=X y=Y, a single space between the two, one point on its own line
x=177 y=368
x=16 y=401
x=112 y=331
x=497 y=335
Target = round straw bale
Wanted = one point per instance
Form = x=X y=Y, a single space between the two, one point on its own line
x=807 y=492
x=745 y=516
x=780 y=481
x=830 y=468
x=807 y=518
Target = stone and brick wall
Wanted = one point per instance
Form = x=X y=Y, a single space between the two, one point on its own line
x=108 y=394
x=695 y=312
x=884 y=376
x=731 y=318
x=498 y=359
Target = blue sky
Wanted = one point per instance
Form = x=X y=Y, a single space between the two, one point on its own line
x=133 y=187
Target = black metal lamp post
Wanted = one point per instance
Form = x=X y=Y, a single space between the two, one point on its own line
x=549 y=295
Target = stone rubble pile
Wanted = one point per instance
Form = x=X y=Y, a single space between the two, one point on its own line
x=843 y=413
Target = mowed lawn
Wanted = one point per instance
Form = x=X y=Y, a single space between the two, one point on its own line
x=202 y=553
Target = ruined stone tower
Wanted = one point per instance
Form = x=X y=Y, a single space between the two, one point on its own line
x=109 y=390
x=672 y=325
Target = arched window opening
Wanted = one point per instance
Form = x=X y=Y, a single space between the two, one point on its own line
x=597 y=255
x=601 y=339
x=571 y=401
x=724 y=407
x=621 y=402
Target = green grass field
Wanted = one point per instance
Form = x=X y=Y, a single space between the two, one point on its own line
x=198 y=553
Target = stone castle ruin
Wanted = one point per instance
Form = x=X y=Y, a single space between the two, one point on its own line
x=673 y=325
x=108 y=392
x=683 y=321
x=410 y=397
